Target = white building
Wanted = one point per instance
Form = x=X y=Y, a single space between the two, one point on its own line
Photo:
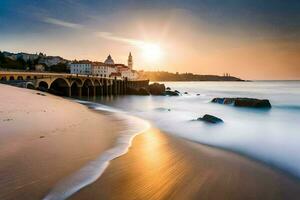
x=81 y=67
x=103 y=70
x=106 y=69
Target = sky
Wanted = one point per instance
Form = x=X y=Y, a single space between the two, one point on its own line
x=250 y=39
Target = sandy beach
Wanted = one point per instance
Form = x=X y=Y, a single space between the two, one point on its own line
x=159 y=166
x=44 y=139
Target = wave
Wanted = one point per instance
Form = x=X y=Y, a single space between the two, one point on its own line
x=94 y=169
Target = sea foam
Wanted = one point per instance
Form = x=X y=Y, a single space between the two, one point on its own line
x=94 y=169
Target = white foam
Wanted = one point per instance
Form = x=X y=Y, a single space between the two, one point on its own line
x=94 y=169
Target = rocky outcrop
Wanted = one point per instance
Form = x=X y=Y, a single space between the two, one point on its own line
x=223 y=100
x=140 y=91
x=210 y=119
x=157 y=89
x=171 y=93
x=143 y=92
x=244 y=102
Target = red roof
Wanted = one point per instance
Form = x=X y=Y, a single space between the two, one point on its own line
x=113 y=74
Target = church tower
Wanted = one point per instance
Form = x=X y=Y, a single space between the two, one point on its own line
x=130 y=63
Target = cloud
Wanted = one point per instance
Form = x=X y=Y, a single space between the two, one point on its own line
x=58 y=22
x=110 y=36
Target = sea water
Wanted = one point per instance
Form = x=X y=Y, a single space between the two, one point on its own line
x=269 y=135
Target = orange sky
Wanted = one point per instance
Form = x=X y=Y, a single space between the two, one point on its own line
x=187 y=43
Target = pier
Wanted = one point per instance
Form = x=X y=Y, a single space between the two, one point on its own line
x=71 y=85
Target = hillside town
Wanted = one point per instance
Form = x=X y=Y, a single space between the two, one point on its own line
x=41 y=62
x=106 y=69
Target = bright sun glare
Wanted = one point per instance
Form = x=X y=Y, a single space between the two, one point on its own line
x=151 y=52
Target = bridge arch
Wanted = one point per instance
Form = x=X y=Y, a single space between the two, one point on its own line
x=88 y=88
x=78 y=81
x=3 y=78
x=28 y=78
x=60 y=86
x=11 y=78
x=75 y=89
x=43 y=86
x=98 y=88
x=30 y=85
x=20 y=78
x=88 y=81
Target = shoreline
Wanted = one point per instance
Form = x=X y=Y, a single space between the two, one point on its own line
x=45 y=138
x=151 y=156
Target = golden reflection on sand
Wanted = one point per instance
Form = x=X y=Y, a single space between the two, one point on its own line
x=161 y=167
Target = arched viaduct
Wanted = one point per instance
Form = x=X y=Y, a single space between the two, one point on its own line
x=70 y=85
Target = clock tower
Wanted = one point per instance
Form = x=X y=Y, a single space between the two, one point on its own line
x=130 y=63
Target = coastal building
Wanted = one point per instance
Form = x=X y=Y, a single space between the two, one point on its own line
x=109 y=60
x=105 y=69
x=102 y=69
x=83 y=67
x=130 y=62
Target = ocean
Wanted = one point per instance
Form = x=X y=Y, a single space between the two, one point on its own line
x=270 y=136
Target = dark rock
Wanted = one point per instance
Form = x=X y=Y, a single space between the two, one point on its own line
x=143 y=91
x=177 y=91
x=157 y=89
x=185 y=92
x=210 y=119
x=198 y=94
x=254 y=103
x=168 y=88
x=140 y=91
x=244 y=102
x=132 y=91
x=171 y=93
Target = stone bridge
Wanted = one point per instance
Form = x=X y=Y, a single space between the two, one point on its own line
x=69 y=84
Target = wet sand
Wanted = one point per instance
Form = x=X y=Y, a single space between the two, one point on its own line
x=44 y=139
x=159 y=166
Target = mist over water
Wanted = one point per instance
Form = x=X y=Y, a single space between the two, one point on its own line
x=272 y=136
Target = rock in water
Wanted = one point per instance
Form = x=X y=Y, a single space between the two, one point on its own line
x=157 y=89
x=171 y=93
x=223 y=100
x=254 y=103
x=244 y=102
x=210 y=119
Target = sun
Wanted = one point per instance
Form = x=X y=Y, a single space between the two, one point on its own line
x=151 y=52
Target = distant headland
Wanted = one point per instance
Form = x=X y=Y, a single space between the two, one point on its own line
x=168 y=76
